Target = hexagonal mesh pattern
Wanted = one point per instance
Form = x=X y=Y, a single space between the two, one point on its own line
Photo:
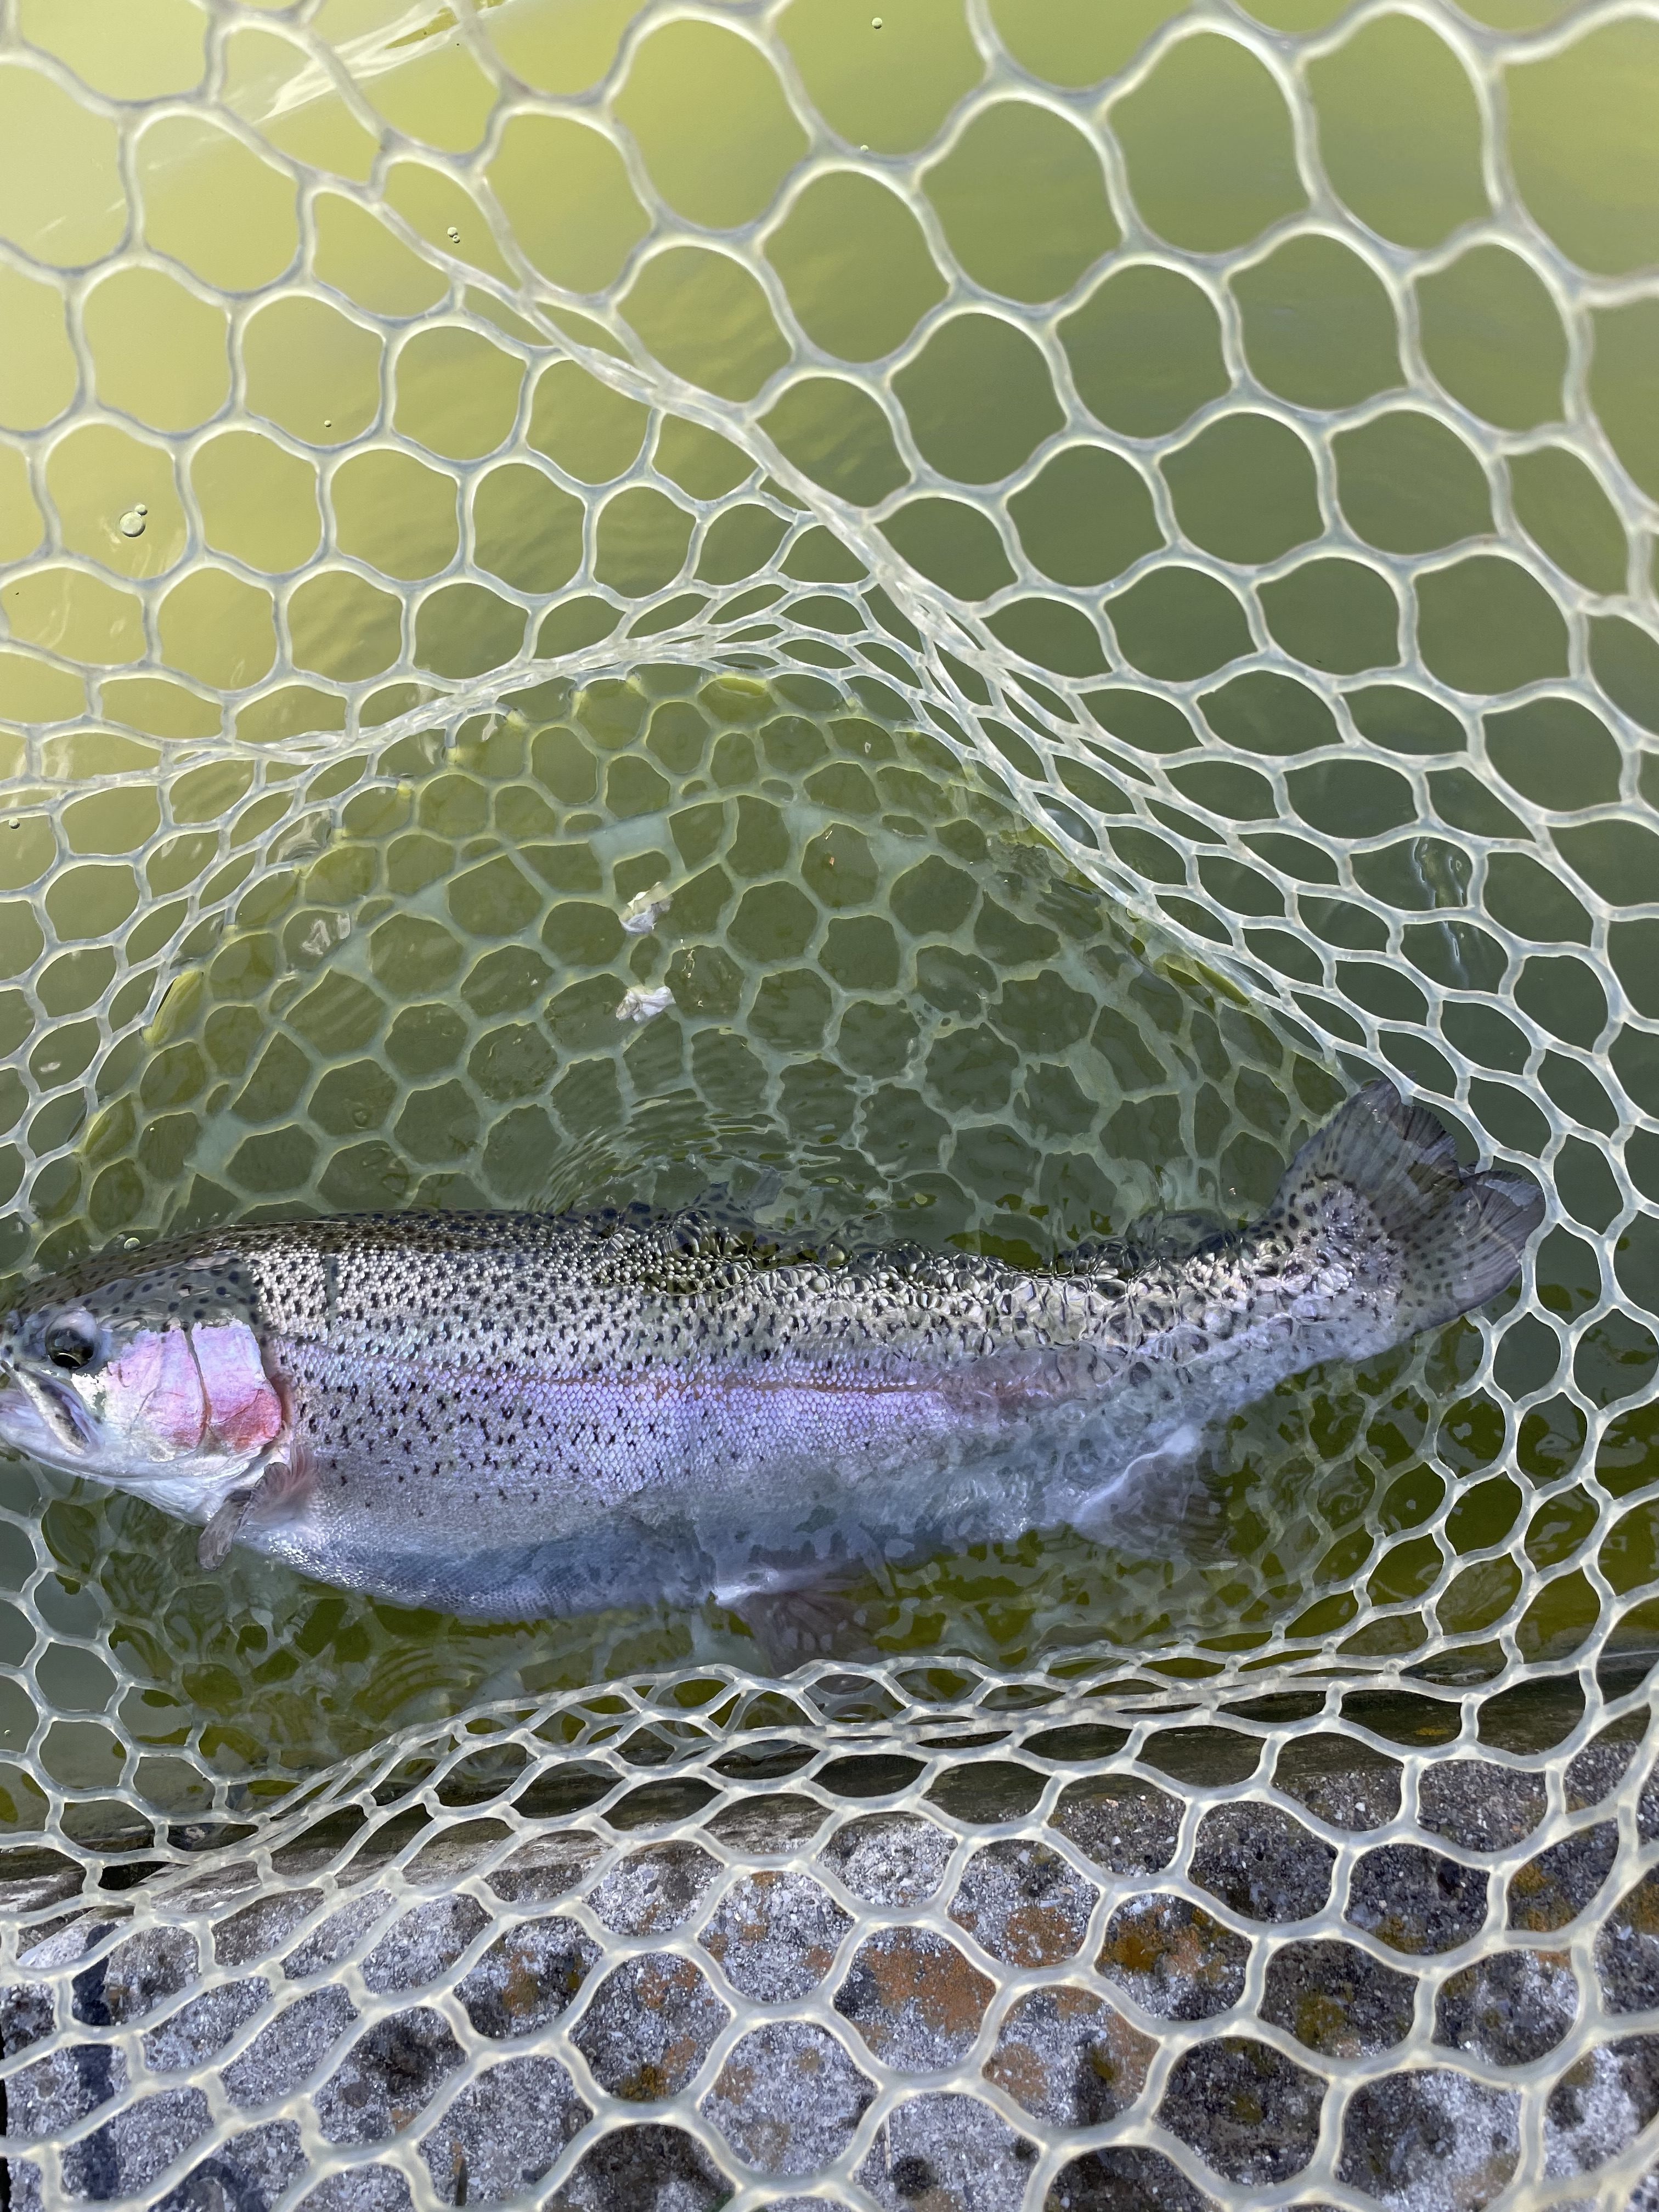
x=945 y=625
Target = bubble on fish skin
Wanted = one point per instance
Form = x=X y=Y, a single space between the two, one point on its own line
x=641 y=1006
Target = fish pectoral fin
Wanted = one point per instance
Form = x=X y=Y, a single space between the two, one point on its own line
x=213 y=1546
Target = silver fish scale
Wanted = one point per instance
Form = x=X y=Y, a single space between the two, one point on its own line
x=519 y=1372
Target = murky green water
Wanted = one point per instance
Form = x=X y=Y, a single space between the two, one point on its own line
x=892 y=1012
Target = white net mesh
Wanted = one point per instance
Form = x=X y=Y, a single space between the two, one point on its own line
x=1101 y=559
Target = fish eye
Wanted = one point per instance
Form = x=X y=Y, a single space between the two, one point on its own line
x=72 y=1342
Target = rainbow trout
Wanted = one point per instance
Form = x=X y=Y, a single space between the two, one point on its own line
x=512 y=1416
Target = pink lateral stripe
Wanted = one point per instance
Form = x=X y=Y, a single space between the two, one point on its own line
x=158 y=1371
x=243 y=1411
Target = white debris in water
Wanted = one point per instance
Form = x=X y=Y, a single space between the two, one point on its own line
x=324 y=934
x=638 y=1006
x=646 y=909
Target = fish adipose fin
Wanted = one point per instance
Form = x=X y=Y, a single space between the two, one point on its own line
x=1383 y=1168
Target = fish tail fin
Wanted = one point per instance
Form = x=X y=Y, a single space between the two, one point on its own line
x=1384 y=1168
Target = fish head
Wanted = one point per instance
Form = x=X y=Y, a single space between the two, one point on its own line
x=152 y=1378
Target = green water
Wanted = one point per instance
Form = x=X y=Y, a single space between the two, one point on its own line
x=895 y=1012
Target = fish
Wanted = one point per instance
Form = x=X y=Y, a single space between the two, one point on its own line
x=518 y=1417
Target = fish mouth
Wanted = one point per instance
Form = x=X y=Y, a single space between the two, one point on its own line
x=41 y=1418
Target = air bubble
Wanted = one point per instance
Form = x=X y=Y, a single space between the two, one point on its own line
x=131 y=524
x=455 y=236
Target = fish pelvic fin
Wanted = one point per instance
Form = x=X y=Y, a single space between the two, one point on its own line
x=1459 y=1237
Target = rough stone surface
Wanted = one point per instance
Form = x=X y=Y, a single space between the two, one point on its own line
x=1592 y=1772
x=1554 y=1887
x=1415 y=1900
x=201 y=2029
x=360 y=2189
x=1122 y=1823
x=27 y=2014
x=649 y=2025
x=264 y=1927
x=655 y=1889
x=1430 y=2141
x=889 y=1858
x=949 y=2154
x=424 y=1944
x=337 y=1937
x=245 y=2174
x=545 y=1868
x=792 y=2096
x=139 y=1974
x=1023 y=1903
x=1261 y=1862
x=1510 y=2009
x=503 y=2132
x=290 y=2049
x=768 y=1827
x=390 y=2074
x=127 y=2153
x=1349 y=1785
x=1337 y=1999
x=913 y=1997
x=1647 y=1808
x=1601 y=2104
x=651 y=2168
x=1627 y=1949
x=775 y=1936
x=1066 y=2056
x=527 y=1977
x=48 y=2098
x=1478 y=1804
x=1246 y=2109
x=788 y=2098
x=1173 y=1957
x=1125 y=2179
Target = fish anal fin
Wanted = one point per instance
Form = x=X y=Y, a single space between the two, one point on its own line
x=1160 y=1501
